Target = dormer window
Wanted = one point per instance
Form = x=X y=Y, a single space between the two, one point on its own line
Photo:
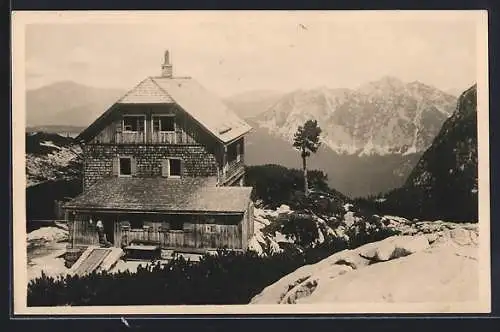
x=133 y=123
x=164 y=123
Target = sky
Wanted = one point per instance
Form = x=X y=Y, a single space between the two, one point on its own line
x=234 y=52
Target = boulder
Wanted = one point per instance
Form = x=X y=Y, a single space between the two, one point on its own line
x=393 y=247
x=426 y=276
x=461 y=236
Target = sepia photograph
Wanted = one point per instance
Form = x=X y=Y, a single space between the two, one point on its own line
x=250 y=162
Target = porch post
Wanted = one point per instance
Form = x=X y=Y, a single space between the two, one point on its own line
x=73 y=228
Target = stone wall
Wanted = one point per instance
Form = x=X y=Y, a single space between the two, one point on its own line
x=196 y=160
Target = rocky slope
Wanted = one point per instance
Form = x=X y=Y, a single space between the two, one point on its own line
x=50 y=157
x=283 y=229
x=382 y=117
x=429 y=262
x=444 y=183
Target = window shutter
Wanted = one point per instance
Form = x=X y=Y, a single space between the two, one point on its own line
x=116 y=166
x=164 y=167
x=133 y=166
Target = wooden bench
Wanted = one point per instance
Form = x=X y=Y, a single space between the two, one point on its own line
x=142 y=252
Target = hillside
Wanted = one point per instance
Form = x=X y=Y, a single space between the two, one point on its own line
x=443 y=185
x=68 y=103
x=383 y=117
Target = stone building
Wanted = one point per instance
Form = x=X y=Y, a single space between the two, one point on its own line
x=164 y=166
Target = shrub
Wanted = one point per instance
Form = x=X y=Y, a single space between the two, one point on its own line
x=226 y=278
x=276 y=185
x=301 y=228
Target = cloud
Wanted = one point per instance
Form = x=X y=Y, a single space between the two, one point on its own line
x=237 y=52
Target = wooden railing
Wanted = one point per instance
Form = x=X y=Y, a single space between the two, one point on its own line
x=232 y=168
x=130 y=137
x=227 y=236
x=164 y=137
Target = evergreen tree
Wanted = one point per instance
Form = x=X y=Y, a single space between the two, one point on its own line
x=306 y=140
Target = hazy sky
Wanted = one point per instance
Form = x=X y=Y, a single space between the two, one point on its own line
x=234 y=51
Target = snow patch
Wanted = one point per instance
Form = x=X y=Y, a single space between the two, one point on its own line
x=48 y=234
x=50 y=144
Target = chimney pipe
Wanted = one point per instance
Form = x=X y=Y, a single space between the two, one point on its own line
x=166 y=67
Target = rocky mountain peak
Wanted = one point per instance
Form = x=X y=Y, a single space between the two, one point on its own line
x=444 y=183
x=407 y=116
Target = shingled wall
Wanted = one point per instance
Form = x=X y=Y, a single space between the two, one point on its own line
x=197 y=160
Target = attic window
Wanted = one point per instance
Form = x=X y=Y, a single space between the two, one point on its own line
x=165 y=123
x=133 y=123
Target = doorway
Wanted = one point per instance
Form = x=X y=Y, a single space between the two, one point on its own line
x=109 y=231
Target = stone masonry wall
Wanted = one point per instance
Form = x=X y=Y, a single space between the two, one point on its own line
x=197 y=160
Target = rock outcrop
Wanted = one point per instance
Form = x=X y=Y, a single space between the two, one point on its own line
x=444 y=183
x=439 y=263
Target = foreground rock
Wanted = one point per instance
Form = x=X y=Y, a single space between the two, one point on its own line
x=431 y=267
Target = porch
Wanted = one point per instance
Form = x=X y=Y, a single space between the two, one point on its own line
x=191 y=213
x=190 y=233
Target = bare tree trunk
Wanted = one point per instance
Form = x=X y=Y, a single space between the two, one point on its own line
x=304 y=167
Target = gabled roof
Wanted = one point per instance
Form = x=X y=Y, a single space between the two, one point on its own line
x=162 y=195
x=191 y=96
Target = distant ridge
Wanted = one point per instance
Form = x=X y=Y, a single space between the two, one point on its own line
x=67 y=103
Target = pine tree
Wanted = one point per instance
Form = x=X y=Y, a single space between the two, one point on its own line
x=306 y=140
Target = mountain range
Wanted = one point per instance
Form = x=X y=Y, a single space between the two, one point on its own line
x=372 y=136
x=383 y=117
x=444 y=183
x=67 y=103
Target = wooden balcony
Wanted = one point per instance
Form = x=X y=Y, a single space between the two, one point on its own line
x=164 y=137
x=130 y=137
x=233 y=170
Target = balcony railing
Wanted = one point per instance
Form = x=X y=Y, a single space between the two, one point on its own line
x=233 y=168
x=164 y=137
x=130 y=137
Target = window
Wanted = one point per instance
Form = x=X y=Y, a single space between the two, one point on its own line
x=176 y=225
x=164 y=123
x=174 y=167
x=136 y=224
x=125 y=166
x=133 y=123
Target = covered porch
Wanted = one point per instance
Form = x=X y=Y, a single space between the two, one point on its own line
x=196 y=232
x=182 y=214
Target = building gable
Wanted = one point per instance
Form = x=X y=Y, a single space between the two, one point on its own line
x=202 y=106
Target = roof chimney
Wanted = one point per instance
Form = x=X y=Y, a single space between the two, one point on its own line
x=166 y=67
